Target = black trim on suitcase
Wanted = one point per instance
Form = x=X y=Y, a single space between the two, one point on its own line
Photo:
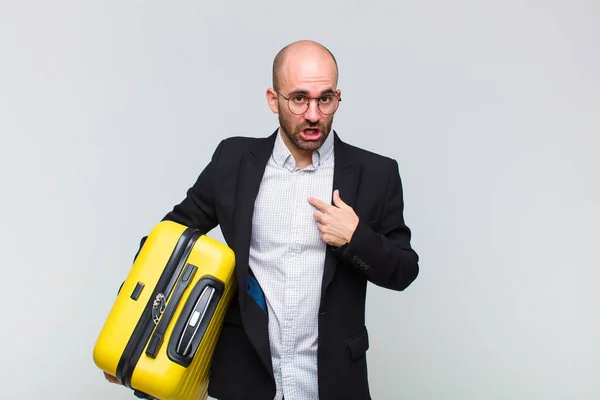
x=137 y=291
x=142 y=395
x=145 y=326
x=190 y=329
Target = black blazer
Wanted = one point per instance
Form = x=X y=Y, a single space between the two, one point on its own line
x=379 y=252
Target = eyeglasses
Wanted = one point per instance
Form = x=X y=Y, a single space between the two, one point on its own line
x=298 y=103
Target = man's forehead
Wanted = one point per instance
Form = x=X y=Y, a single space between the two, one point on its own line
x=306 y=71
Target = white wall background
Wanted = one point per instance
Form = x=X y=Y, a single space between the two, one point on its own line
x=109 y=110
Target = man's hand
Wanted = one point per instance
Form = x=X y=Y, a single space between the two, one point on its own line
x=337 y=222
x=111 y=379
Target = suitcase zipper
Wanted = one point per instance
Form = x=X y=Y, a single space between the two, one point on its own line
x=161 y=326
x=164 y=286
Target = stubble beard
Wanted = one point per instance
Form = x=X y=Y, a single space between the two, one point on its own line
x=293 y=132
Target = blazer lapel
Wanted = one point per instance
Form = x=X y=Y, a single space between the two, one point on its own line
x=252 y=168
x=346 y=175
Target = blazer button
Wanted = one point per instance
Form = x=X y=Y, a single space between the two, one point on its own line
x=367 y=266
x=362 y=264
x=354 y=258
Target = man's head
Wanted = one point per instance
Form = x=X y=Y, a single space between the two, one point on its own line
x=303 y=70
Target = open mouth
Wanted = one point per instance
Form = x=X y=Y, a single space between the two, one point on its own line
x=311 y=134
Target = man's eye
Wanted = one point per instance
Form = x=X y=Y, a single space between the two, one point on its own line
x=299 y=99
x=326 y=99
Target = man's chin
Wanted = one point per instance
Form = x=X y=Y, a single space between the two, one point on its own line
x=308 y=145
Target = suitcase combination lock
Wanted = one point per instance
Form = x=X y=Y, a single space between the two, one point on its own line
x=158 y=307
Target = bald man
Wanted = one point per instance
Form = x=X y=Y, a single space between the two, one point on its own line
x=311 y=220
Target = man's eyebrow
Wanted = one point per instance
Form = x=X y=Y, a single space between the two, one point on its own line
x=328 y=91
x=298 y=91
x=305 y=92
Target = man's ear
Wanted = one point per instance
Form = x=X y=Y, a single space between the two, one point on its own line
x=272 y=99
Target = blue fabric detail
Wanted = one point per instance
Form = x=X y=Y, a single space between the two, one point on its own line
x=254 y=290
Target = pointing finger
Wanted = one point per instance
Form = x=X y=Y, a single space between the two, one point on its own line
x=319 y=204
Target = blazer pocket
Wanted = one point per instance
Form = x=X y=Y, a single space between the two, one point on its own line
x=359 y=344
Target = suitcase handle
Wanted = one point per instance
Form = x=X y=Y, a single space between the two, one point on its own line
x=194 y=320
x=198 y=315
x=159 y=333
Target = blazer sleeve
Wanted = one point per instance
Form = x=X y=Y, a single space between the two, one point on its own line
x=197 y=210
x=385 y=256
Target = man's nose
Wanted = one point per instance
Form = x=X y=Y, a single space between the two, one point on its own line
x=313 y=114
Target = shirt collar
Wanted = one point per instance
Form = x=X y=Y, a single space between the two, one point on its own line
x=283 y=157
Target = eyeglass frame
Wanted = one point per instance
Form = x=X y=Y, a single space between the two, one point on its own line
x=309 y=99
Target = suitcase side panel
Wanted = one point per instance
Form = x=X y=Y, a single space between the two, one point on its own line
x=195 y=382
x=126 y=312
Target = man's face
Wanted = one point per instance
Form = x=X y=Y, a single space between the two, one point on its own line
x=312 y=77
x=304 y=133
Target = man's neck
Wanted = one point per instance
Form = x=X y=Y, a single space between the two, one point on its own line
x=303 y=158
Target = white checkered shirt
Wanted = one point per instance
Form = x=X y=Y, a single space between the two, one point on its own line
x=287 y=256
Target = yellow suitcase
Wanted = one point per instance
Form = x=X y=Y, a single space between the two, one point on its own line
x=159 y=337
